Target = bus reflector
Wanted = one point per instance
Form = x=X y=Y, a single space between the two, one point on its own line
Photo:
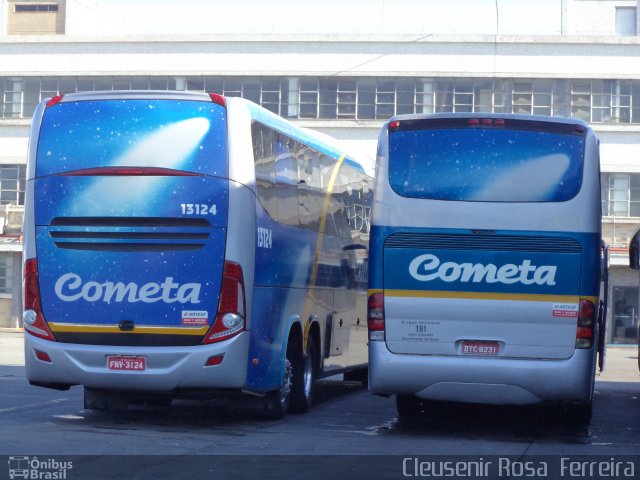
x=43 y=356
x=218 y=99
x=33 y=320
x=586 y=322
x=214 y=360
x=375 y=316
x=230 y=320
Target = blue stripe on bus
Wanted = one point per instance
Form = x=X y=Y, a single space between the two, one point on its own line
x=479 y=269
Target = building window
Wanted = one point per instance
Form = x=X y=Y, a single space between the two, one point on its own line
x=35 y=7
x=6 y=272
x=12 y=179
x=595 y=101
x=621 y=195
x=626 y=21
x=35 y=18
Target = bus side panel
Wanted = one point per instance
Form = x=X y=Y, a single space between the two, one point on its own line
x=264 y=368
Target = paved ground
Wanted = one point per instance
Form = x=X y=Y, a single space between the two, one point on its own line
x=621 y=364
x=349 y=433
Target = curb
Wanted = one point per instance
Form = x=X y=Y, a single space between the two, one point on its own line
x=11 y=330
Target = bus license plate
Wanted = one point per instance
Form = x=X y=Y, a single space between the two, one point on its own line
x=479 y=348
x=126 y=363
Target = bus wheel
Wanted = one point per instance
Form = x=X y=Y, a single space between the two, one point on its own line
x=361 y=375
x=580 y=414
x=304 y=379
x=409 y=406
x=96 y=399
x=277 y=401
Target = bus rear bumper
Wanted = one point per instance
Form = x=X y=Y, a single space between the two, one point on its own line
x=167 y=369
x=499 y=381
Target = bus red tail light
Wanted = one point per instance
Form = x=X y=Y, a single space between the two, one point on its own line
x=375 y=316
x=586 y=323
x=230 y=320
x=33 y=320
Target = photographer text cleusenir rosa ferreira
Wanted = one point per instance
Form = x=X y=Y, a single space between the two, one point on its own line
x=518 y=468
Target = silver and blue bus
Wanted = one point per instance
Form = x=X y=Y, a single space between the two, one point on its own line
x=485 y=257
x=187 y=245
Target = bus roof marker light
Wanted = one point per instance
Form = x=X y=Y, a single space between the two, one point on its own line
x=54 y=100
x=487 y=121
x=394 y=125
x=218 y=99
x=499 y=122
x=474 y=121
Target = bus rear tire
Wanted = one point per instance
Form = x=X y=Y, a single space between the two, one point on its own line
x=277 y=401
x=304 y=379
x=580 y=414
x=105 y=400
x=361 y=375
x=409 y=406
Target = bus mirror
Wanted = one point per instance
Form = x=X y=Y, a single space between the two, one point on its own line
x=634 y=251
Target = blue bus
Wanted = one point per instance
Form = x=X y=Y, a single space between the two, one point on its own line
x=485 y=259
x=186 y=245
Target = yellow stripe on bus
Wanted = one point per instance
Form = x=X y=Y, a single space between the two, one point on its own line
x=74 y=328
x=319 y=243
x=522 y=297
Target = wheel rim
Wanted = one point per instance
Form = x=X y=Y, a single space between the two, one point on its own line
x=308 y=375
x=285 y=391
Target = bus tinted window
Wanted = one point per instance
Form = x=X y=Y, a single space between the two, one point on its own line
x=482 y=164
x=172 y=134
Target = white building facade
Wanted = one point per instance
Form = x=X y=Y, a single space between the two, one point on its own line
x=346 y=83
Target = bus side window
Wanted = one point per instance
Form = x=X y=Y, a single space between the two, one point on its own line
x=265 y=165
x=310 y=195
x=286 y=180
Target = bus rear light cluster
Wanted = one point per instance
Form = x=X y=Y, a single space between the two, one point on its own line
x=586 y=324
x=375 y=316
x=230 y=320
x=33 y=319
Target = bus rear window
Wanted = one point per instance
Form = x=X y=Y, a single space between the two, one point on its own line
x=485 y=164
x=173 y=134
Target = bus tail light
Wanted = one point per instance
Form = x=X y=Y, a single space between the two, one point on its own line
x=33 y=319
x=230 y=320
x=375 y=316
x=586 y=323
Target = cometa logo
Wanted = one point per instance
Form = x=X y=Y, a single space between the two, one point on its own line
x=428 y=267
x=70 y=288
